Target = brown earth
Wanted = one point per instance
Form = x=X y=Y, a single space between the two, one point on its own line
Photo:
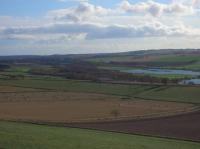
x=186 y=126
x=65 y=107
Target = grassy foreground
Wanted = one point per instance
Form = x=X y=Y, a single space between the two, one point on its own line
x=23 y=136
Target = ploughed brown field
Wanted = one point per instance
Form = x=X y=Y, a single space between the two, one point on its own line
x=186 y=126
x=67 y=107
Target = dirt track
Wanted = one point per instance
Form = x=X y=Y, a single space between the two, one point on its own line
x=182 y=127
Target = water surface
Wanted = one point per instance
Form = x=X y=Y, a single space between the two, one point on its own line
x=191 y=81
x=163 y=72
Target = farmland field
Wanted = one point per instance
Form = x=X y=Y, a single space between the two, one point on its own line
x=181 y=94
x=66 y=107
x=45 y=137
x=155 y=92
x=166 y=61
x=78 y=86
x=68 y=101
x=184 y=126
x=191 y=58
x=78 y=103
x=160 y=58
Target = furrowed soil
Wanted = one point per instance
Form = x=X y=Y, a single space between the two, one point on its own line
x=186 y=126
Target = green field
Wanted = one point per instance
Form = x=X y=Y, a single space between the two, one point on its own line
x=17 y=70
x=125 y=58
x=181 y=62
x=154 y=92
x=193 y=61
x=29 y=136
x=79 y=86
x=180 y=94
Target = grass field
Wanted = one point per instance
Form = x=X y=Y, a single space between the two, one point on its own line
x=180 y=94
x=16 y=70
x=181 y=62
x=19 y=135
x=192 y=60
x=112 y=58
x=168 y=93
x=195 y=65
x=78 y=86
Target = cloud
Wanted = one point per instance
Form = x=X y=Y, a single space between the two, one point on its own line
x=156 y=9
x=196 y=3
x=95 y=31
x=87 y=12
x=83 y=12
x=81 y=22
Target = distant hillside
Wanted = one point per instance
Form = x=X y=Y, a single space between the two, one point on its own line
x=167 y=58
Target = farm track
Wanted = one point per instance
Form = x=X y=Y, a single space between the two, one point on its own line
x=183 y=127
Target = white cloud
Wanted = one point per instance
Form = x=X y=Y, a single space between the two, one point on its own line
x=196 y=3
x=89 y=13
x=94 y=31
x=157 y=9
x=83 y=12
x=87 y=21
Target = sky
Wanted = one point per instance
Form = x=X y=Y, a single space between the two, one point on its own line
x=45 y=27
